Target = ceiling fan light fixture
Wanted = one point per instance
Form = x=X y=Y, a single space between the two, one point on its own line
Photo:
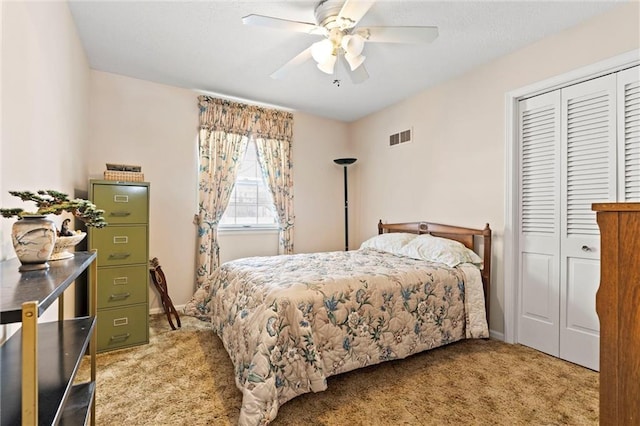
x=353 y=44
x=337 y=21
x=354 y=60
x=328 y=65
x=322 y=50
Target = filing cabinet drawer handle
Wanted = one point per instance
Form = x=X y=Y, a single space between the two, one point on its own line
x=119 y=296
x=120 y=337
x=120 y=198
x=118 y=322
x=119 y=256
x=120 y=214
x=120 y=280
x=120 y=239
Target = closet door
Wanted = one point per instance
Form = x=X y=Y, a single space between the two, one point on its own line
x=629 y=134
x=588 y=175
x=539 y=219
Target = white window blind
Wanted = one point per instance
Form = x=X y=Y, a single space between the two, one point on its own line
x=251 y=204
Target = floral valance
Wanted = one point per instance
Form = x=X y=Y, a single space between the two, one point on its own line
x=250 y=120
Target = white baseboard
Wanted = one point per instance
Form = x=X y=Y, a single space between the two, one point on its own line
x=153 y=311
x=496 y=335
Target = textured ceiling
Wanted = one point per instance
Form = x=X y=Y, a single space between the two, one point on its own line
x=204 y=46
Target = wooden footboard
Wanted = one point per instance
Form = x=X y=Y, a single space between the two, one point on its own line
x=466 y=236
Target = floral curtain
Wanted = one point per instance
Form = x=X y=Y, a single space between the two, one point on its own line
x=220 y=154
x=275 y=159
x=225 y=127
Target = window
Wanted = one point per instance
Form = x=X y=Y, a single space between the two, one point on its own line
x=251 y=204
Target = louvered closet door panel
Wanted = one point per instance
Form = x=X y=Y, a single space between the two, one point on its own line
x=539 y=130
x=629 y=134
x=588 y=176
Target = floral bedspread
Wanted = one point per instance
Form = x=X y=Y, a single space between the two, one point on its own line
x=289 y=322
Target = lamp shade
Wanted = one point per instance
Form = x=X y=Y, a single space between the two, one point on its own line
x=345 y=161
x=353 y=44
x=321 y=51
x=328 y=65
x=354 y=61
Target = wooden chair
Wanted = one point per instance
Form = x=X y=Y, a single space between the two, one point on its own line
x=159 y=280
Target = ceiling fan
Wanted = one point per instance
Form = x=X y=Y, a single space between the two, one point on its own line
x=337 y=22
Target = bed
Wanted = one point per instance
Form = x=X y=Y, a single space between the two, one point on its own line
x=288 y=322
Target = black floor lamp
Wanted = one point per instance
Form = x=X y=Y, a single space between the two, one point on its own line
x=345 y=162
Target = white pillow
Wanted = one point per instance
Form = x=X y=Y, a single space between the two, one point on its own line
x=442 y=250
x=390 y=242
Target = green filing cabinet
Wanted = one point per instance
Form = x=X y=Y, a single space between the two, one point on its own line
x=123 y=256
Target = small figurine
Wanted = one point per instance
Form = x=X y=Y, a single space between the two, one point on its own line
x=64 y=229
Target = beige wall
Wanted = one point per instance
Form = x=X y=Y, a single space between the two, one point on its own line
x=454 y=171
x=45 y=99
x=153 y=125
x=318 y=183
x=138 y=122
x=4 y=225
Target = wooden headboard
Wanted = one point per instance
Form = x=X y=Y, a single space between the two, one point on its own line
x=464 y=235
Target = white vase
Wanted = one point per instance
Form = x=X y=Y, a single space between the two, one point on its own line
x=33 y=240
x=64 y=244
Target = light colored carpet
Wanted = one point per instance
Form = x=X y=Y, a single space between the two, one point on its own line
x=185 y=377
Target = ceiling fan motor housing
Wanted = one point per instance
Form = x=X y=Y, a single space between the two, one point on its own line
x=327 y=13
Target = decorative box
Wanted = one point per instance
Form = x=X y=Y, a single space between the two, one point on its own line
x=121 y=176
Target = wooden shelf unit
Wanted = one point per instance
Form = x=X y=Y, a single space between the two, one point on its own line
x=39 y=362
x=617 y=304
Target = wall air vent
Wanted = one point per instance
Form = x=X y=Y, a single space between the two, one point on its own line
x=401 y=137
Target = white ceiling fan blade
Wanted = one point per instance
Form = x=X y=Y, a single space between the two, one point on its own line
x=353 y=11
x=299 y=59
x=282 y=24
x=399 y=34
x=359 y=75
